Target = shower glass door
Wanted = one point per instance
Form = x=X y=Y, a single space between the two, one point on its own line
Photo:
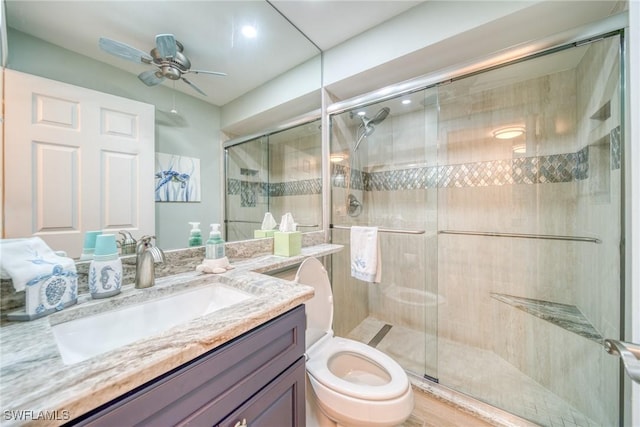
x=382 y=175
x=499 y=197
x=278 y=172
x=529 y=220
x=295 y=175
x=247 y=187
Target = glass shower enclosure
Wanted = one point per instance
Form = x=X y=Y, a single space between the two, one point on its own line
x=498 y=198
x=277 y=172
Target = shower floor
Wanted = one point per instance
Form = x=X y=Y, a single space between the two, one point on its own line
x=494 y=380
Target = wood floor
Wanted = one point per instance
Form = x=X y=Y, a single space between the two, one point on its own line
x=432 y=412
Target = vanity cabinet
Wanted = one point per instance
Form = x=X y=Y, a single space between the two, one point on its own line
x=257 y=379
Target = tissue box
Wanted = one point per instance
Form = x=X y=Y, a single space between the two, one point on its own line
x=287 y=243
x=261 y=234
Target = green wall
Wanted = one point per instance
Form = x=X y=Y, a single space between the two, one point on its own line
x=194 y=133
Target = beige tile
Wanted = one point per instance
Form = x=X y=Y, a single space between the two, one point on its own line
x=432 y=412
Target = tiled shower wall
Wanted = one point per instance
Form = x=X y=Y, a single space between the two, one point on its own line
x=459 y=177
x=246 y=173
x=278 y=176
x=296 y=183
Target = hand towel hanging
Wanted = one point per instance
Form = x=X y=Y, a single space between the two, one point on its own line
x=365 y=254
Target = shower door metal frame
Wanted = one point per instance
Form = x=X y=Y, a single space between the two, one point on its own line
x=611 y=26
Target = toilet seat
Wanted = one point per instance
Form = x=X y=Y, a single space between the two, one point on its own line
x=322 y=346
x=352 y=383
x=394 y=385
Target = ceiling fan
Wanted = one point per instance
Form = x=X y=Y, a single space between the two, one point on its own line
x=167 y=57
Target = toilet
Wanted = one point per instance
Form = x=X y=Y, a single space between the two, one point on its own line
x=349 y=384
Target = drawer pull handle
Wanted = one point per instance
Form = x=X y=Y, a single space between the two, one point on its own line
x=242 y=423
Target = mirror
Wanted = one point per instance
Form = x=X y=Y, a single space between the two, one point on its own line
x=58 y=40
x=277 y=172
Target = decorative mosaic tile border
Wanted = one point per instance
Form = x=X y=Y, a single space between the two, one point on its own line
x=616 y=148
x=553 y=168
x=296 y=188
x=249 y=191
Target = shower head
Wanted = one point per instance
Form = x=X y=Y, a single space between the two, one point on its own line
x=380 y=116
x=367 y=126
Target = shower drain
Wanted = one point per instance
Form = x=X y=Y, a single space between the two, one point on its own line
x=380 y=335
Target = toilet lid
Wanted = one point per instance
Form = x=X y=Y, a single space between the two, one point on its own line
x=319 y=309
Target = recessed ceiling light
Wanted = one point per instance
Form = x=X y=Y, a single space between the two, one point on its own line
x=249 y=31
x=361 y=113
x=335 y=158
x=406 y=101
x=508 y=132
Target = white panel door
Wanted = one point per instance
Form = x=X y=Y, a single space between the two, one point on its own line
x=75 y=160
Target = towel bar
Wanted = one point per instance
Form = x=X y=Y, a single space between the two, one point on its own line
x=382 y=230
x=525 y=236
x=237 y=221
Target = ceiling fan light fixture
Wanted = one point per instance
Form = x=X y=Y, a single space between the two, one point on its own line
x=170 y=72
x=166 y=56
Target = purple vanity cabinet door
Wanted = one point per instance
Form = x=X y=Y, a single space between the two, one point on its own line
x=280 y=404
x=208 y=389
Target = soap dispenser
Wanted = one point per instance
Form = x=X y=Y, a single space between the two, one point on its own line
x=215 y=244
x=195 y=238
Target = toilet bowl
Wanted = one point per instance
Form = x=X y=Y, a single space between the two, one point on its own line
x=351 y=383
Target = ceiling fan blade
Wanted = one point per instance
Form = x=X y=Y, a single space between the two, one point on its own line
x=166 y=44
x=124 y=51
x=194 y=86
x=216 y=73
x=149 y=78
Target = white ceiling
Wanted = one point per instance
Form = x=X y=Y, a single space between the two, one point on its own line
x=209 y=31
x=330 y=22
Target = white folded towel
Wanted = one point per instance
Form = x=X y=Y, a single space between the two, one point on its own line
x=29 y=261
x=365 y=254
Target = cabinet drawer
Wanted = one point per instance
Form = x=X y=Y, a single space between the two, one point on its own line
x=215 y=383
x=281 y=403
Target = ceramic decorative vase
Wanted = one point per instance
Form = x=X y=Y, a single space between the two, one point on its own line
x=105 y=272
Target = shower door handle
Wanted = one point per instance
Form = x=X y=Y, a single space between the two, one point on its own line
x=630 y=355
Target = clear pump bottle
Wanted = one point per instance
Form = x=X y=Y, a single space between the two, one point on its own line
x=195 y=237
x=214 y=248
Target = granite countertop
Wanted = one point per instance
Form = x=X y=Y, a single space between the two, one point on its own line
x=34 y=382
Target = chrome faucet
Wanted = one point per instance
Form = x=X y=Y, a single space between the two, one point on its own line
x=146 y=256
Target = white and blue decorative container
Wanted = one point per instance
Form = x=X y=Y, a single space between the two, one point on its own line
x=48 y=278
x=105 y=272
x=51 y=292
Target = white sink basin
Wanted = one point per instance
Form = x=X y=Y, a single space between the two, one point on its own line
x=81 y=339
